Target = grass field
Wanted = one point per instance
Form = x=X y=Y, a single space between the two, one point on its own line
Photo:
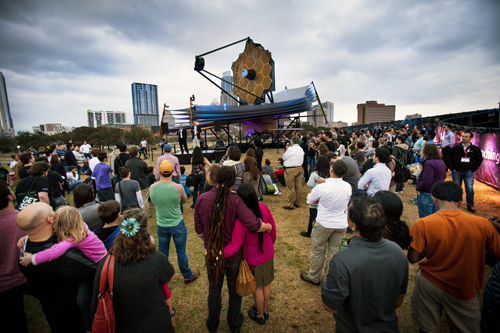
x=295 y=305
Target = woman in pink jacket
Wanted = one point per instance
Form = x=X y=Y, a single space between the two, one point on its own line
x=259 y=250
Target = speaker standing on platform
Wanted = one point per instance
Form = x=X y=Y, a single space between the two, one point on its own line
x=196 y=135
x=183 y=139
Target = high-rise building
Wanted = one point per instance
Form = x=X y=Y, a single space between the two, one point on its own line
x=372 y=112
x=6 y=127
x=51 y=128
x=338 y=124
x=315 y=117
x=225 y=99
x=414 y=116
x=101 y=118
x=328 y=107
x=145 y=103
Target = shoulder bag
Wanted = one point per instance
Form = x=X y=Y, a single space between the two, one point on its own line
x=27 y=198
x=245 y=284
x=104 y=318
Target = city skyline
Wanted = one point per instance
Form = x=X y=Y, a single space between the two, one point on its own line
x=425 y=57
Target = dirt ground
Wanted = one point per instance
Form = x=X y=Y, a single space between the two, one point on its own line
x=295 y=305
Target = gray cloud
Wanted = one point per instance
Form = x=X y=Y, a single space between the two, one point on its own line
x=409 y=53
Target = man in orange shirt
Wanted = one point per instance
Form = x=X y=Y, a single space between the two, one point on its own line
x=453 y=244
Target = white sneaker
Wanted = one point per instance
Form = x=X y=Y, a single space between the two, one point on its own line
x=278 y=193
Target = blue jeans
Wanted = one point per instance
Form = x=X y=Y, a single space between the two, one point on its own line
x=400 y=187
x=199 y=183
x=179 y=233
x=143 y=152
x=74 y=184
x=468 y=178
x=425 y=204
x=311 y=162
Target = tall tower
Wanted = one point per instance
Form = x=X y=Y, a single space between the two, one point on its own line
x=145 y=103
x=6 y=127
x=224 y=98
x=328 y=107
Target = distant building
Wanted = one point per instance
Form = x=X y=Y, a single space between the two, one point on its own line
x=339 y=124
x=414 y=116
x=100 y=118
x=315 y=117
x=50 y=129
x=328 y=107
x=36 y=129
x=372 y=112
x=225 y=99
x=354 y=124
x=6 y=126
x=145 y=103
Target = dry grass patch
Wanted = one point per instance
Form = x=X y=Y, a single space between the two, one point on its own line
x=295 y=305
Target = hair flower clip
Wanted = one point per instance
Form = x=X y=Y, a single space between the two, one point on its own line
x=129 y=227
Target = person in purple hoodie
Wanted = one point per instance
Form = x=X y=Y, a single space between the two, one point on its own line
x=433 y=171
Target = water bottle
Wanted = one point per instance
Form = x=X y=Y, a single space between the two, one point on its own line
x=343 y=244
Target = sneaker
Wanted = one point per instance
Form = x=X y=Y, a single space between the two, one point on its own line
x=398 y=192
x=305 y=234
x=253 y=315
x=413 y=201
x=278 y=193
x=471 y=209
x=266 y=314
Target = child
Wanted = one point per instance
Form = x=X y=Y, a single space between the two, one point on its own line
x=109 y=213
x=280 y=173
x=267 y=166
x=101 y=173
x=71 y=231
x=183 y=181
x=270 y=186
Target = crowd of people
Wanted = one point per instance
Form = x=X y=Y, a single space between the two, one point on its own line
x=60 y=253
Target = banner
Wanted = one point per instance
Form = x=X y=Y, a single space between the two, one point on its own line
x=489 y=143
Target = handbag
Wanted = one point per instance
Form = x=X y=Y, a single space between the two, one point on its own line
x=28 y=198
x=245 y=284
x=104 y=319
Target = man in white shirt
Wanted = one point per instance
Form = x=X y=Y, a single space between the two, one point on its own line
x=94 y=161
x=293 y=159
x=331 y=222
x=144 y=146
x=448 y=143
x=379 y=177
x=85 y=148
x=196 y=135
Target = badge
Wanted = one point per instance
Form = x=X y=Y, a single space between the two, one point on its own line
x=465 y=159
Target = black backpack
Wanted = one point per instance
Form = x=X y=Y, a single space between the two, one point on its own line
x=402 y=172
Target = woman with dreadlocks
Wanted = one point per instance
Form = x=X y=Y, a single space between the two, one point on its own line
x=215 y=214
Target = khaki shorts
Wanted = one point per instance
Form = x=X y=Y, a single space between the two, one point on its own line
x=263 y=274
x=429 y=301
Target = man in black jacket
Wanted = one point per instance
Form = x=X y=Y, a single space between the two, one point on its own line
x=182 y=134
x=465 y=159
x=54 y=283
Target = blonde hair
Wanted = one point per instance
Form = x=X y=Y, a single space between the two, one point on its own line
x=69 y=225
x=382 y=141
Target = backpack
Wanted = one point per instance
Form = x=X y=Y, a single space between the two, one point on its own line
x=402 y=172
x=104 y=319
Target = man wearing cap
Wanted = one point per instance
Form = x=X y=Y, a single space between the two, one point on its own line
x=167 y=197
x=176 y=174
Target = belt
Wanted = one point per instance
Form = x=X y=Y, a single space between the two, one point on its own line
x=293 y=167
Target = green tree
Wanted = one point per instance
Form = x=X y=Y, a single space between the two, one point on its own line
x=134 y=137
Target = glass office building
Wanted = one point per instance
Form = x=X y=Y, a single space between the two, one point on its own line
x=145 y=103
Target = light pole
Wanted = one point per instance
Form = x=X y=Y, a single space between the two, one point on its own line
x=18 y=149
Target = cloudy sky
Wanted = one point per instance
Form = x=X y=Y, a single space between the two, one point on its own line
x=60 y=58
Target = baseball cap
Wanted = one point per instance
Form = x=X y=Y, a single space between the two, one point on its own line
x=167 y=147
x=166 y=168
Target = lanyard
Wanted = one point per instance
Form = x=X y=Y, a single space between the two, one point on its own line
x=467 y=150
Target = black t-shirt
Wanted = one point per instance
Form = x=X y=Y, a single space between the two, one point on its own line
x=70 y=158
x=59 y=168
x=259 y=153
x=55 y=283
x=330 y=146
x=123 y=157
x=55 y=181
x=41 y=185
x=104 y=233
x=23 y=172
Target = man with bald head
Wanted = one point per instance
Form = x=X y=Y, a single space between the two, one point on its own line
x=54 y=283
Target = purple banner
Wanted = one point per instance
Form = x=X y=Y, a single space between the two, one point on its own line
x=489 y=143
